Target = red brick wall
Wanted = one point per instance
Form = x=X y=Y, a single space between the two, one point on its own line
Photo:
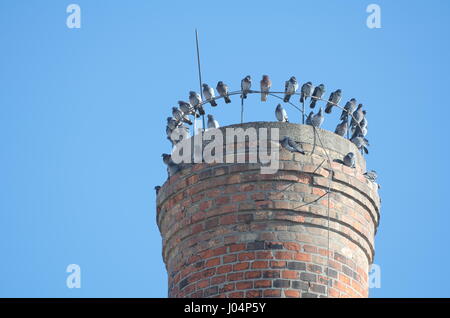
x=229 y=231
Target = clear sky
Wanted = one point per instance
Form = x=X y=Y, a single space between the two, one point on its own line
x=82 y=126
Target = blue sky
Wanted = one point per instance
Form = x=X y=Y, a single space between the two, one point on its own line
x=83 y=116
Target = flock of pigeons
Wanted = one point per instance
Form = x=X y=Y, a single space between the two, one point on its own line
x=358 y=125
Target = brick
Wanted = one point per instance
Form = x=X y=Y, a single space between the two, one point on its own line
x=297 y=284
x=289 y=274
x=278 y=264
x=260 y=264
x=263 y=283
x=308 y=277
x=253 y=274
x=224 y=269
x=271 y=274
x=246 y=256
x=229 y=258
x=212 y=262
x=244 y=285
x=241 y=266
x=290 y=293
x=281 y=283
x=218 y=280
x=272 y=293
x=253 y=294
x=297 y=266
x=302 y=257
x=235 y=276
x=237 y=247
x=256 y=245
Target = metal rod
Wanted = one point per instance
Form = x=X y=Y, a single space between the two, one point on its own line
x=242 y=110
x=199 y=73
x=303 y=111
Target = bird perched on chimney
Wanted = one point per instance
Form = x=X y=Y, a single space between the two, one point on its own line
x=357 y=116
x=187 y=108
x=172 y=123
x=281 y=114
x=172 y=167
x=180 y=116
x=317 y=119
x=195 y=100
x=308 y=120
x=291 y=145
x=371 y=175
x=306 y=91
x=208 y=92
x=246 y=84
x=266 y=83
x=349 y=108
x=349 y=160
x=341 y=128
x=334 y=99
x=317 y=94
x=222 y=89
x=290 y=87
x=157 y=188
x=361 y=143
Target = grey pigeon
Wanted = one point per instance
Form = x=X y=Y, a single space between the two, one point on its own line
x=317 y=119
x=358 y=131
x=212 y=123
x=349 y=160
x=317 y=94
x=187 y=108
x=157 y=188
x=306 y=91
x=349 y=108
x=265 y=83
x=172 y=167
x=178 y=134
x=341 y=128
x=290 y=87
x=208 y=92
x=291 y=145
x=246 y=84
x=359 y=128
x=172 y=123
x=281 y=114
x=357 y=116
x=195 y=100
x=361 y=143
x=222 y=89
x=371 y=175
x=180 y=116
x=334 y=99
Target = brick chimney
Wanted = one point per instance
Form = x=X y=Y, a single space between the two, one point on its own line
x=305 y=231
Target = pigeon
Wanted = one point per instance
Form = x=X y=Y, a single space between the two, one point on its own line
x=178 y=134
x=308 y=120
x=317 y=94
x=334 y=99
x=349 y=108
x=341 y=129
x=306 y=91
x=187 y=108
x=371 y=175
x=290 y=87
x=349 y=160
x=172 y=167
x=266 y=83
x=291 y=145
x=172 y=123
x=364 y=123
x=357 y=116
x=317 y=119
x=246 y=84
x=281 y=114
x=208 y=92
x=212 y=123
x=157 y=188
x=361 y=143
x=180 y=116
x=359 y=130
x=196 y=100
x=222 y=89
